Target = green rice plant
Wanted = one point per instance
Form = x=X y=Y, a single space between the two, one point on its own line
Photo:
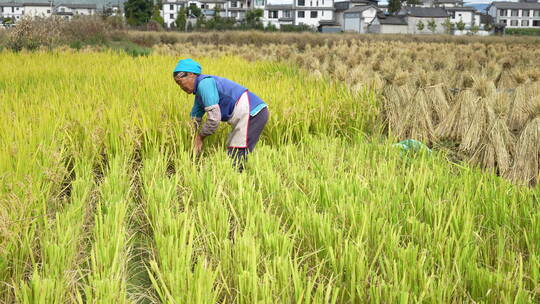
x=54 y=279
x=177 y=274
x=106 y=279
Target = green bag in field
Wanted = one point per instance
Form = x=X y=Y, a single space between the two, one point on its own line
x=411 y=145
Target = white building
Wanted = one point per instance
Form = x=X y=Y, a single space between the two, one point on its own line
x=77 y=9
x=212 y=7
x=12 y=11
x=312 y=12
x=387 y=24
x=467 y=15
x=279 y=14
x=424 y=15
x=170 y=10
x=341 y=6
x=37 y=9
x=440 y=3
x=237 y=8
x=515 y=14
x=67 y=11
x=357 y=19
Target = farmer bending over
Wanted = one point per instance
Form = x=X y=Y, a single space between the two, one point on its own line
x=223 y=100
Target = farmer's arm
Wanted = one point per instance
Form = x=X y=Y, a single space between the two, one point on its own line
x=209 y=95
x=197 y=112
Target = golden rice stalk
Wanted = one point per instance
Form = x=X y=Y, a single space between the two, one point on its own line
x=526 y=167
x=438 y=102
x=408 y=113
x=525 y=106
x=476 y=127
x=454 y=125
x=505 y=80
x=420 y=118
x=502 y=142
x=483 y=87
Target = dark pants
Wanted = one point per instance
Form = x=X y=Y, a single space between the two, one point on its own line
x=255 y=128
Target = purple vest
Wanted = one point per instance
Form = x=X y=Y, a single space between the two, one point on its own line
x=229 y=93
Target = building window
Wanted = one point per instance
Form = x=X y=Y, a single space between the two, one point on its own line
x=311 y=3
x=317 y=3
x=234 y=4
x=525 y=13
x=322 y=13
x=286 y=14
x=524 y=22
x=171 y=7
x=502 y=12
x=513 y=23
x=301 y=14
x=313 y=14
x=171 y=16
x=48 y=11
x=503 y=21
x=515 y=13
x=272 y=14
x=301 y=2
x=536 y=13
x=234 y=14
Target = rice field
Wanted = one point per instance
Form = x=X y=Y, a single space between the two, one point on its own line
x=101 y=200
x=478 y=99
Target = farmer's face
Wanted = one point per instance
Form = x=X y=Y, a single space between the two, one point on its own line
x=187 y=83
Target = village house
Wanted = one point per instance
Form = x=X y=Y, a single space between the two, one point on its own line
x=386 y=24
x=169 y=11
x=441 y=3
x=424 y=15
x=357 y=19
x=67 y=11
x=278 y=14
x=342 y=6
x=38 y=9
x=467 y=15
x=11 y=11
x=524 y=14
x=312 y=12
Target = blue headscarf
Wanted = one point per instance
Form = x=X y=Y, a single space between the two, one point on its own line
x=188 y=65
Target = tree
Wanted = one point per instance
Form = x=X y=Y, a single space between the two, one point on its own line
x=460 y=25
x=474 y=29
x=420 y=25
x=253 y=18
x=448 y=26
x=432 y=26
x=138 y=12
x=394 y=6
x=181 y=19
x=156 y=16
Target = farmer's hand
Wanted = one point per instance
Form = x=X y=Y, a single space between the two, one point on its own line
x=198 y=144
